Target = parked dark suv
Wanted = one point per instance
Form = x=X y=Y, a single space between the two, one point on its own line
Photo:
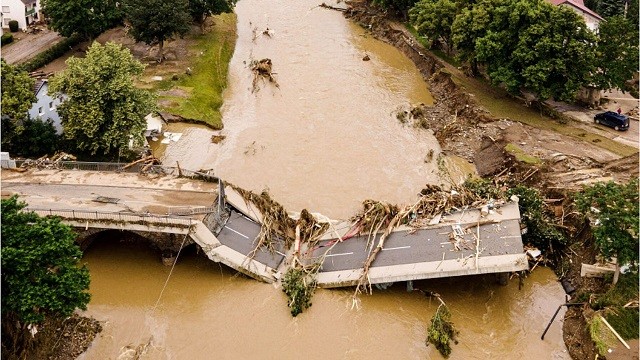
x=612 y=120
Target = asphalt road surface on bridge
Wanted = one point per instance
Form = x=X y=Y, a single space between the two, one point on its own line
x=425 y=245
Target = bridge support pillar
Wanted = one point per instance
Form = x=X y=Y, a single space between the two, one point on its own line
x=409 y=285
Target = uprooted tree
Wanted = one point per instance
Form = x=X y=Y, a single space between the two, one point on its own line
x=41 y=277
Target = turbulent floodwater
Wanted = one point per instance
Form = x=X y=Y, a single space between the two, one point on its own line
x=207 y=312
x=325 y=140
x=328 y=137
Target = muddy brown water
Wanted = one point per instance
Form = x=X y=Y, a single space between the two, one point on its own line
x=325 y=140
x=328 y=137
x=207 y=311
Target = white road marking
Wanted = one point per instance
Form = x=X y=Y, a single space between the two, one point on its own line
x=396 y=248
x=237 y=232
x=509 y=236
x=279 y=253
x=350 y=253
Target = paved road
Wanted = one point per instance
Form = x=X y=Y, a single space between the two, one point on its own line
x=423 y=246
x=240 y=233
x=30 y=46
x=81 y=197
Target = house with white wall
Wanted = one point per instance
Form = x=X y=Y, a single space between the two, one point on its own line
x=591 y=18
x=24 y=12
x=46 y=106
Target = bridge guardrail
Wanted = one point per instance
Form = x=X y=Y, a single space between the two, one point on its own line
x=116 y=167
x=114 y=216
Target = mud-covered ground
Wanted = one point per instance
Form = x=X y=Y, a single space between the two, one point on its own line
x=465 y=129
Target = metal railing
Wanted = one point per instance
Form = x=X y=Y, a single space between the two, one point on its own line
x=115 y=167
x=85 y=215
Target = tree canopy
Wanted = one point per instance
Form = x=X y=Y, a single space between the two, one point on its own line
x=201 y=9
x=613 y=209
x=103 y=109
x=41 y=275
x=154 y=21
x=433 y=20
x=616 y=53
x=17 y=92
x=88 y=18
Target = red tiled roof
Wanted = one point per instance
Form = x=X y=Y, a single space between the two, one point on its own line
x=579 y=4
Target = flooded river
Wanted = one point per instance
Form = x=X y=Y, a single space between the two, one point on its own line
x=328 y=137
x=325 y=140
x=207 y=312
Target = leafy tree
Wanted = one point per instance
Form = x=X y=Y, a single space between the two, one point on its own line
x=17 y=97
x=613 y=210
x=470 y=25
x=88 y=18
x=528 y=44
x=103 y=110
x=616 y=53
x=433 y=20
x=37 y=138
x=154 y=21
x=200 y=10
x=400 y=6
x=41 y=276
x=17 y=92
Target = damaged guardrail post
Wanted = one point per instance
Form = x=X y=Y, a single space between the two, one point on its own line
x=556 y=314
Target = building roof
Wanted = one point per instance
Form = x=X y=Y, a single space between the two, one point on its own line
x=39 y=85
x=578 y=4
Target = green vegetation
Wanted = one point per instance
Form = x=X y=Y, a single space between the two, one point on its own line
x=41 y=276
x=441 y=331
x=541 y=232
x=209 y=75
x=521 y=155
x=104 y=111
x=530 y=45
x=299 y=288
x=154 y=21
x=17 y=92
x=84 y=18
x=600 y=334
x=7 y=38
x=51 y=53
x=613 y=210
x=36 y=138
x=14 y=26
x=200 y=10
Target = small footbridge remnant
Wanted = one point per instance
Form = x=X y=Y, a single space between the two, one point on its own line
x=226 y=227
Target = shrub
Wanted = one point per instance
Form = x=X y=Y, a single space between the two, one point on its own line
x=6 y=39
x=52 y=53
x=13 y=25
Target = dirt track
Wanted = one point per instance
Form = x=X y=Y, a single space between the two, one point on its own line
x=30 y=45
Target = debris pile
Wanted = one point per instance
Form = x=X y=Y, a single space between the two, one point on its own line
x=44 y=162
x=146 y=162
x=262 y=69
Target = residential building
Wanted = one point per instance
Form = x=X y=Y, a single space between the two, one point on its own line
x=591 y=18
x=46 y=106
x=23 y=11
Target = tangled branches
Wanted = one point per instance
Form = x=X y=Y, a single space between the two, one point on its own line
x=441 y=330
x=262 y=69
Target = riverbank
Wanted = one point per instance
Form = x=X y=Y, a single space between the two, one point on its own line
x=474 y=110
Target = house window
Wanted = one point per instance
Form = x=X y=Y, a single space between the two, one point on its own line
x=6 y=9
x=40 y=111
x=51 y=106
x=6 y=21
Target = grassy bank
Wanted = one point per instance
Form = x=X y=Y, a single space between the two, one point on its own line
x=199 y=95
